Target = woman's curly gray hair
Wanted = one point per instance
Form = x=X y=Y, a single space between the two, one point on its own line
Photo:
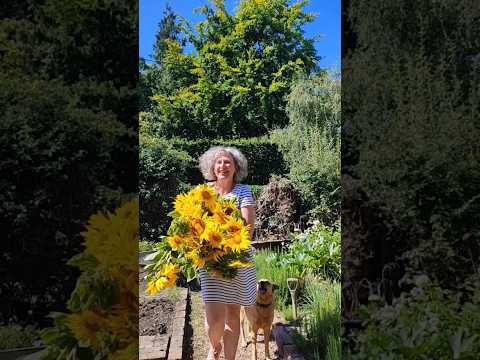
x=207 y=161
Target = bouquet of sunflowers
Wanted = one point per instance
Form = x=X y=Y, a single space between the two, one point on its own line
x=206 y=232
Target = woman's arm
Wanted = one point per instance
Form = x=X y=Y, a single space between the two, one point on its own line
x=248 y=213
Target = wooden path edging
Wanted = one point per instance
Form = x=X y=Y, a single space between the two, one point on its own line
x=165 y=347
x=176 y=348
x=283 y=337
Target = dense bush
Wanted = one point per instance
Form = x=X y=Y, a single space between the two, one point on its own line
x=15 y=336
x=162 y=172
x=314 y=168
x=68 y=139
x=426 y=323
x=264 y=158
x=410 y=141
x=310 y=144
x=315 y=251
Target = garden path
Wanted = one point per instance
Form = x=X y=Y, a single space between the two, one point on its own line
x=200 y=345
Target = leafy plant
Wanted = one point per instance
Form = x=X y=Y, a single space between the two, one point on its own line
x=426 y=323
x=319 y=335
x=316 y=251
x=146 y=245
x=16 y=336
x=103 y=319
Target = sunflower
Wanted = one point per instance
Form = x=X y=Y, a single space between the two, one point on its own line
x=86 y=326
x=175 y=241
x=212 y=236
x=229 y=208
x=187 y=206
x=166 y=279
x=238 y=241
x=205 y=195
x=233 y=226
x=197 y=226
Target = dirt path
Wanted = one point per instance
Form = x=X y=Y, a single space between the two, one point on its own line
x=200 y=345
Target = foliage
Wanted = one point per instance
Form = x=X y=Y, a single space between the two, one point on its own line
x=103 y=318
x=235 y=82
x=68 y=115
x=16 y=336
x=169 y=28
x=317 y=250
x=311 y=145
x=207 y=232
x=426 y=323
x=146 y=246
x=264 y=157
x=315 y=102
x=410 y=140
x=277 y=275
x=319 y=335
x=256 y=190
x=162 y=173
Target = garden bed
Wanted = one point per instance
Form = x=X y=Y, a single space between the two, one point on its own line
x=156 y=313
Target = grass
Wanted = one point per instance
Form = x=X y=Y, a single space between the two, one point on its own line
x=319 y=302
x=16 y=336
x=278 y=276
x=320 y=325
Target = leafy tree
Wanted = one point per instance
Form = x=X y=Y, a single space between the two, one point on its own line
x=236 y=81
x=69 y=115
x=311 y=144
x=169 y=28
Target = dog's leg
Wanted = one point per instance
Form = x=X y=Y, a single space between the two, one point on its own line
x=253 y=336
x=266 y=341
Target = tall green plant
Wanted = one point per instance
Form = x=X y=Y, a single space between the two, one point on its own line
x=319 y=337
x=311 y=144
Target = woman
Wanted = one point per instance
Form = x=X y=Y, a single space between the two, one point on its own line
x=225 y=167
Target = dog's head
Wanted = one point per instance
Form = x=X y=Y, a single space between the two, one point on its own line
x=265 y=288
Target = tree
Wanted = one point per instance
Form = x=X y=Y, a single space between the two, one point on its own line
x=169 y=28
x=236 y=81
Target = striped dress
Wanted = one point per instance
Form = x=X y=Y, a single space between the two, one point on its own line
x=241 y=289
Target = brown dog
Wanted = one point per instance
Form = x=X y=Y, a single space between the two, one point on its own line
x=259 y=316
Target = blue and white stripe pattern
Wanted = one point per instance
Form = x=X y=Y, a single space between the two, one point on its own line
x=242 y=289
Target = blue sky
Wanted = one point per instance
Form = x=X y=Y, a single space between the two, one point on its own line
x=327 y=24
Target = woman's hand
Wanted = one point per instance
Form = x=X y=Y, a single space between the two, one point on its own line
x=248 y=213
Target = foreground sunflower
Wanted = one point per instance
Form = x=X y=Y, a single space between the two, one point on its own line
x=102 y=322
x=206 y=232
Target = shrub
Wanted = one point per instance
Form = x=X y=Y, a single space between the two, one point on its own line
x=16 y=336
x=314 y=167
x=162 y=173
x=264 y=157
x=427 y=323
x=316 y=251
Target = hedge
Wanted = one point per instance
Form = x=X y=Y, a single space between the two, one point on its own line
x=264 y=157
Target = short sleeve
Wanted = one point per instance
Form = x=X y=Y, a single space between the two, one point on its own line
x=245 y=196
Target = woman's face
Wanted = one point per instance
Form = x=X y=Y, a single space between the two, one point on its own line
x=224 y=167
